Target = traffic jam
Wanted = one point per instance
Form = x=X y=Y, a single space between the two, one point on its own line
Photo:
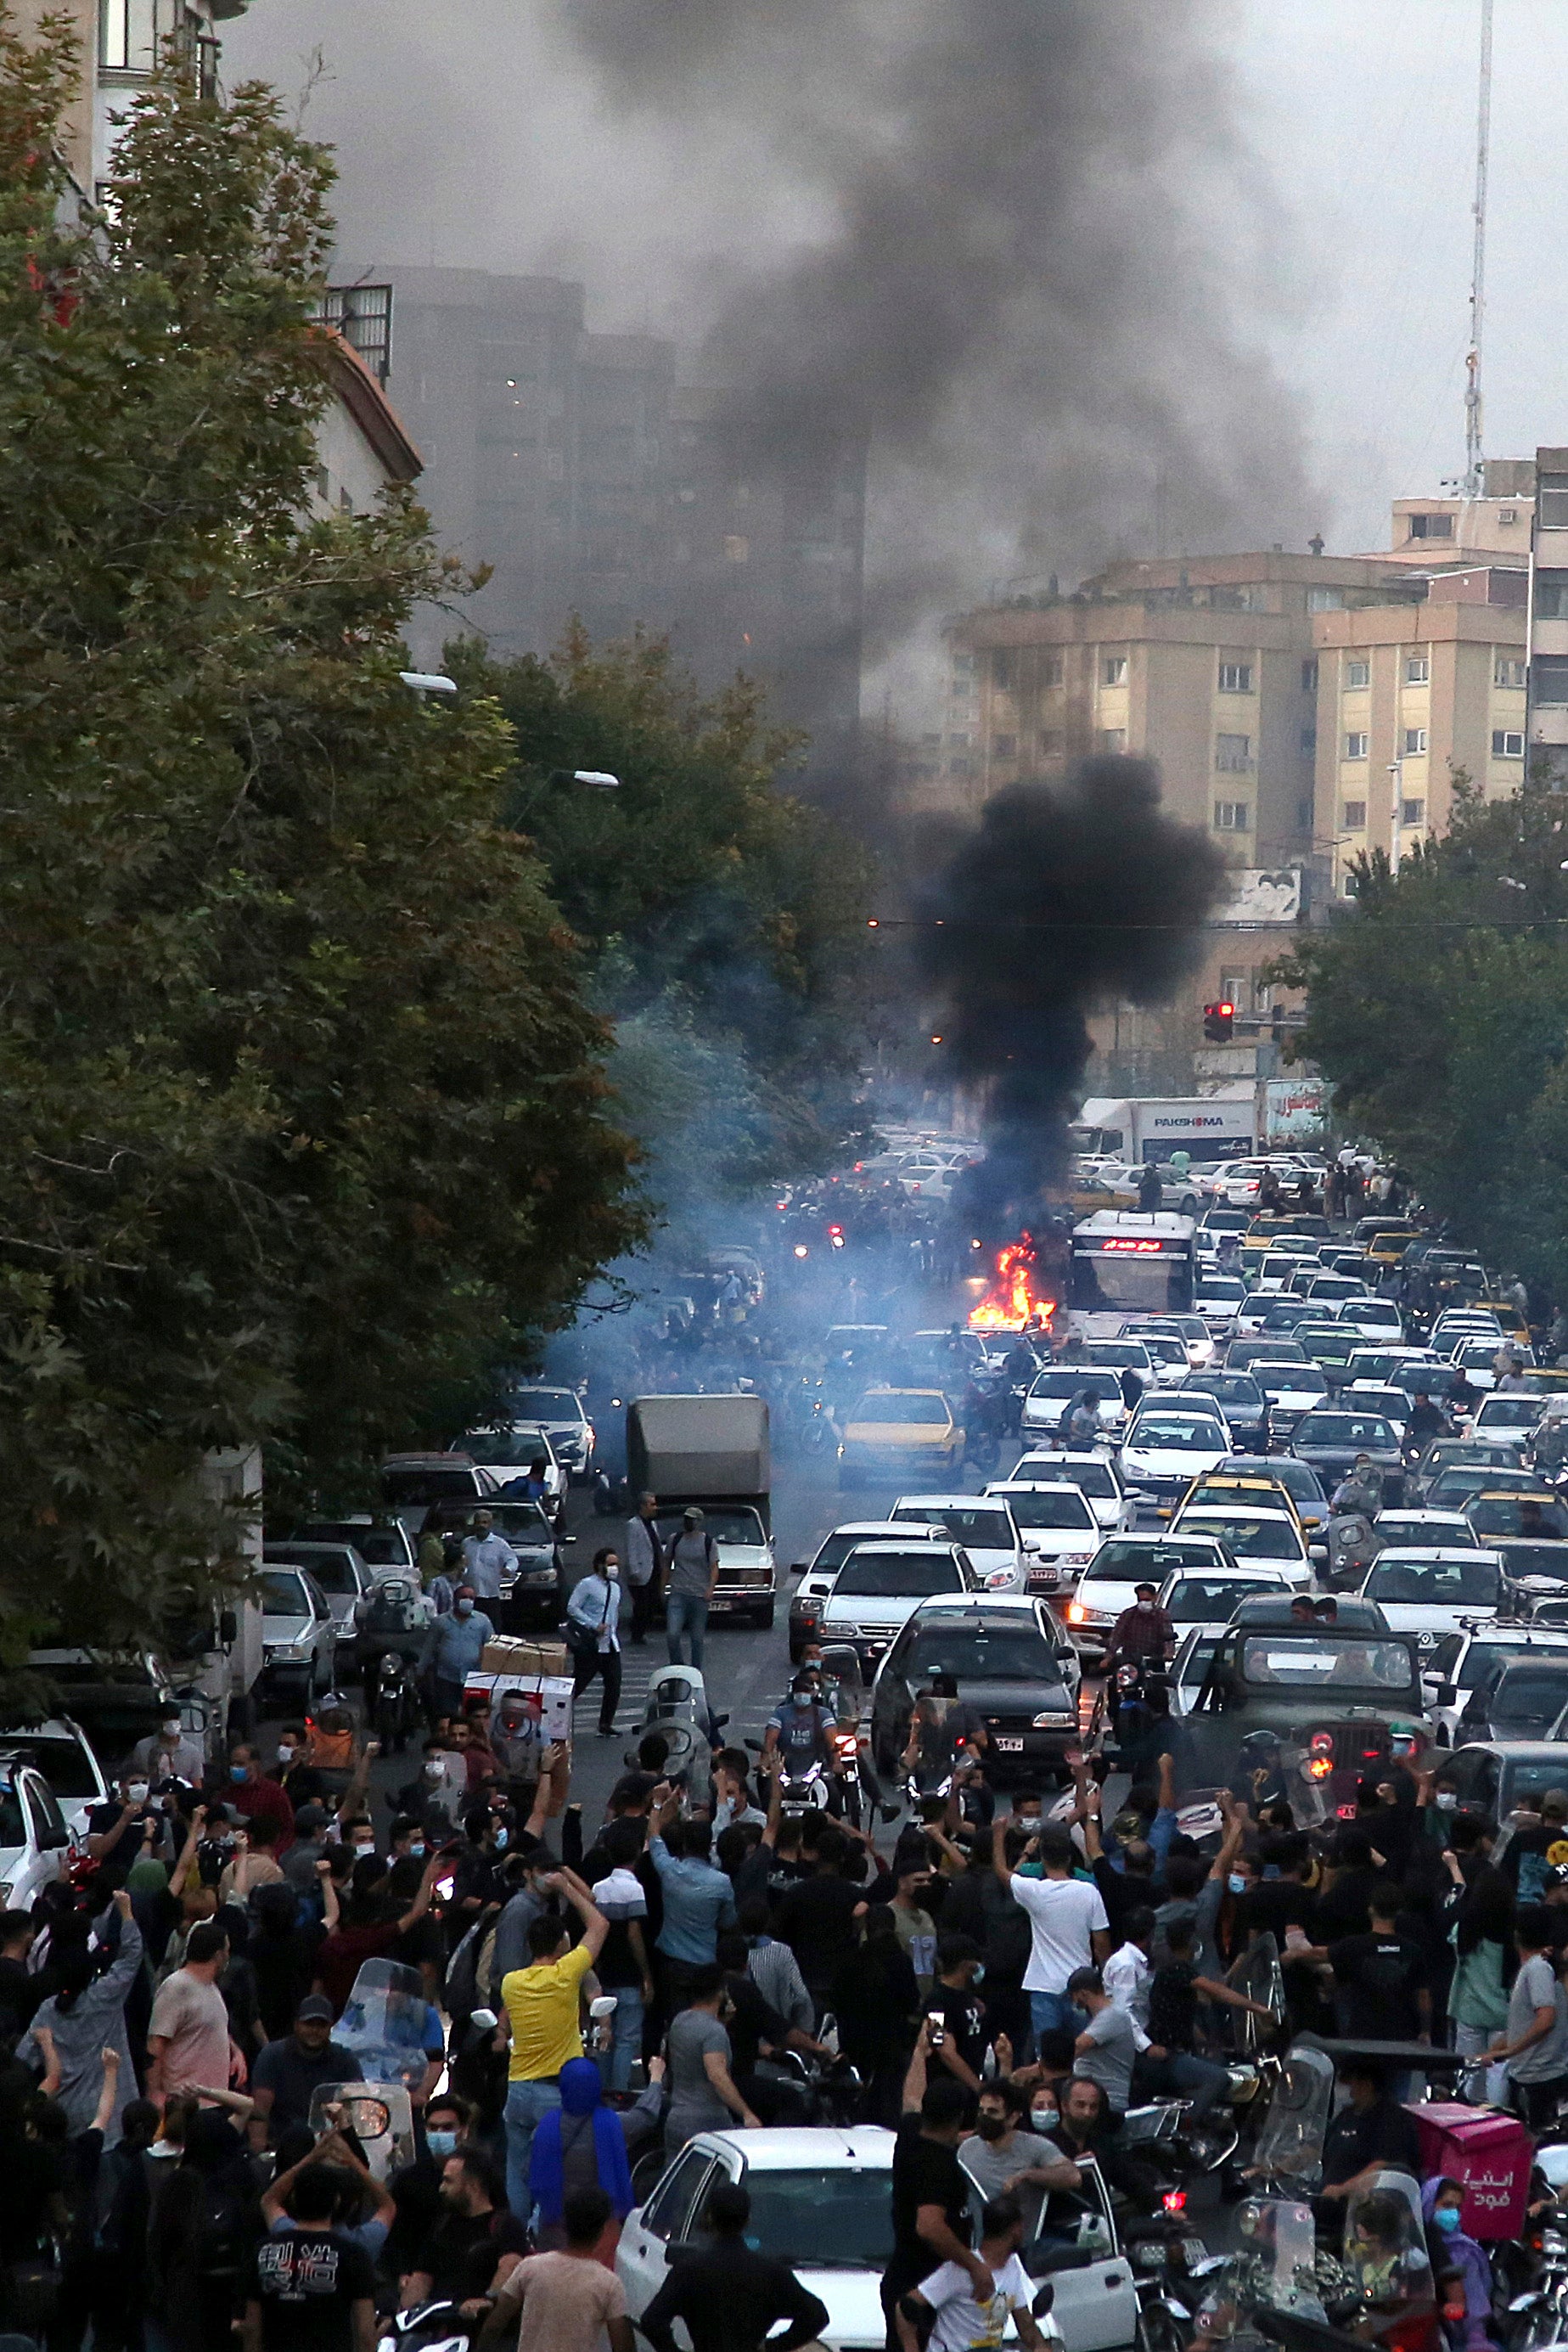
x=1110 y=1888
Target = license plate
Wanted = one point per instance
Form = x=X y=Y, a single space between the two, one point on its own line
x=1008 y=1747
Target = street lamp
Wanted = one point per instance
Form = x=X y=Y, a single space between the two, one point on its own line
x=424 y=681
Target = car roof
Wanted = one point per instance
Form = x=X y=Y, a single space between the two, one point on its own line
x=1030 y=1486
x=1243 y=1570
x=937 y=1502
x=964 y=1605
x=1356 y=1615
x=881 y=1389
x=450 y=1461
x=1250 y=1511
x=777 y=2148
x=870 y=1527
x=1496 y=1631
x=1421 y=1554
x=898 y=1545
x=1151 y=1536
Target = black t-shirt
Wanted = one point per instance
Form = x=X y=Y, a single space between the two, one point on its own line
x=1379 y=1978
x=964 y=2020
x=754 y=2021
x=817 y=1921
x=293 y=2075
x=115 y=1868
x=462 y=2251
x=307 y=2281
x=20 y=1993
x=1277 y=1905
x=1173 y=2005
x=1384 y=2133
x=1344 y=1909
x=925 y=2172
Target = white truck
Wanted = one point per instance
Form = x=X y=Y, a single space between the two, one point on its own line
x=1222 y=1126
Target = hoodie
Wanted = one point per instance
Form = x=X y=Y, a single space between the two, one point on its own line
x=1461 y=2252
x=560 y=2158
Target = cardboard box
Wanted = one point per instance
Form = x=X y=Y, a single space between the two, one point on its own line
x=505 y=1654
x=1488 y=2154
x=553 y=1693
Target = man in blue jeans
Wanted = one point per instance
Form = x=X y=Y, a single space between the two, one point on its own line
x=1068 y=1923
x=688 y=1588
x=699 y=1900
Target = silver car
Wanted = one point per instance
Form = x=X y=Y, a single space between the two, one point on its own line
x=337 y=1569
x=299 y=1639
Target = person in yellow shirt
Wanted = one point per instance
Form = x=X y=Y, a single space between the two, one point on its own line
x=544 y=2008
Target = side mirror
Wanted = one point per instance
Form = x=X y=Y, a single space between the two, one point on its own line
x=228 y=1627
x=53 y=1841
x=1446 y=1693
x=798 y=1567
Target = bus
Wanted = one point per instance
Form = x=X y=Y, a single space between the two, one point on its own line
x=1127 y=1263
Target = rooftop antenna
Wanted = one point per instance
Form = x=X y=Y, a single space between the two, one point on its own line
x=1475 y=470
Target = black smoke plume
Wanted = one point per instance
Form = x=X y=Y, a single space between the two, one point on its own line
x=1064 y=899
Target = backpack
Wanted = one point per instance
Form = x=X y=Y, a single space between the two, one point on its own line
x=218 y=2230
x=393 y=1607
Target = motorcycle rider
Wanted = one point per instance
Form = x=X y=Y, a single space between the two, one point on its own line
x=1142 y=1635
x=1428 y=1421
x=1359 y=1493
x=1081 y=1423
x=1548 y=1448
x=798 y=1730
x=841 y=1696
x=937 y=1722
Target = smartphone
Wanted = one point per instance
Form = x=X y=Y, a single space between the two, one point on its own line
x=938 y=2031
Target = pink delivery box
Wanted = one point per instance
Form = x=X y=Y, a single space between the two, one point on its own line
x=1488 y=2154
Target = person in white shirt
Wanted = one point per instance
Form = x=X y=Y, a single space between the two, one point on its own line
x=593 y=1634
x=1069 y=1922
x=487 y=1559
x=1127 y=1971
x=963 y=2322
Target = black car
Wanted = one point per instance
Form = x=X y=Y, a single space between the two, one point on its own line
x=1240 y=1398
x=1012 y=1665
x=1334 y=1441
x=1518 y=1698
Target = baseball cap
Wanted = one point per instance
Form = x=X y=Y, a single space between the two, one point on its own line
x=314 y=2007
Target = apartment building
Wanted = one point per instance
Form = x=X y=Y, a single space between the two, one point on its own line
x=121 y=41
x=1547 y=724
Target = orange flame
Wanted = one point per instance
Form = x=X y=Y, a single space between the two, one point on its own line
x=1012 y=1300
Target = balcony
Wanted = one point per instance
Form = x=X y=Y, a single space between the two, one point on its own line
x=135 y=37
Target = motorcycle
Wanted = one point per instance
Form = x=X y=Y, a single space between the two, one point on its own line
x=395 y=1707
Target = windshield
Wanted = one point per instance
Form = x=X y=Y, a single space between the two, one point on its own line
x=1483 y=1660
x=283 y=1595
x=1090 y=1478
x=1508 y=1412
x=972 y=1525
x=1321 y=1662
x=1358 y=1430
x=1530 y=1696
x=427 y=1485
x=1033 y=1509
x=1260 y=1538
x=739 y=1525
x=1149 y=1563
x=1063 y=1383
x=63 y=1762
x=1530 y=1777
x=1226 y=1288
x=510 y=1448
x=983 y=1652
x=1130 y=1354
x=1290 y=1380
x=886 y=1575
x=1208 y=1599
x=837 y=2219
x=551 y=1404
x=332 y=1572
x=521 y=1523
x=1435 y=1584
x=1230 y=1388
x=1517 y=1514
x=1177 y=1437
x=1410 y=1527
x=902 y=1407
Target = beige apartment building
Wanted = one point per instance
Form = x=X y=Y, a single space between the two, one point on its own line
x=121 y=41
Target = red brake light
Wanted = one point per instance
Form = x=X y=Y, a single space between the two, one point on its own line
x=1173 y=2200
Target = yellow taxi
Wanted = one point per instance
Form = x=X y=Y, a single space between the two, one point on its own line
x=906 y=1434
x=1389 y=1247
x=1234 y=1490
x=1514 y=1326
x=1088 y=1192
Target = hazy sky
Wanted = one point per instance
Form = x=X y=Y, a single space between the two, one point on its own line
x=471 y=132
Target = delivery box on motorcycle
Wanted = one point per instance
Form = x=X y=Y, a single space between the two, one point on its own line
x=1488 y=2154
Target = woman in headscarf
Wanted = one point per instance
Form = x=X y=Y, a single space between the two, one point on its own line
x=85 y=2015
x=1453 y=2250
x=202 y=2234
x=579 y=2145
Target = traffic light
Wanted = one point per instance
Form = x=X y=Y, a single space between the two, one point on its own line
x=1217 y=1022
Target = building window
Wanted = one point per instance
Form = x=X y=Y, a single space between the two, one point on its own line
x=962 y=661
x=960 y=768
x=1509 y=515
x=1113 y=739
x=1051 y=671
x=1304 y=816
x=1507 y=671
x=1233 y=754
x=935 y=742
x=1050 y=743
x=1309 y=676
x=1113 y=670
x=1357 y=674
x=1355 y=746
x=1004 y=747
x=1235 y=678
x=1552 y=502
x=1002 y=670
x=1431 y=526
x=1412 y=812
x=1309 y=739
x=1232 y=816
x=1550 y=679
x=1351 y=887
x=1551 y=595
x=1508 y=743
x=1353 y=817
x=1417 y=669
x=957 y=742
x=1325 y=599
x=1414 y=743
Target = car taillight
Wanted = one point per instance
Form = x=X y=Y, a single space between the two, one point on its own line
x=1175 y=2200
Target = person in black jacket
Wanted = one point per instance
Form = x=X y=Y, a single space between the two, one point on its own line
x=875 y=1996
x=730 y=2298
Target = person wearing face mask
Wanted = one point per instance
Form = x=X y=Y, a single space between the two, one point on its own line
x=1460 y=2270
x=1004 y=2153
x=956 y=1997
x=453 y=1649
x=257 y=1798
x=118 y=1831
x=593 y=1634
x=1142 y=1635
x=171 y=1753
x=415 y=2189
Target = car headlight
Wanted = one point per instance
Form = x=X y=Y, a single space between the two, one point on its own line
x=1052 y=1719
x=1076 y=1559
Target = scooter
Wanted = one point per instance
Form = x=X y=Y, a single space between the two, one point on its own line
x=395 y=1709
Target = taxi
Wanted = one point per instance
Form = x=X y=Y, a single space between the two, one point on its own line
x=1387 y=1247
x=1226 y=1488
x=1514 y=1326
x=1088 y=1193
x=899 y=1433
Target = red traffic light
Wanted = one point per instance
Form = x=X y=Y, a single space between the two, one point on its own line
x=1218 y=1022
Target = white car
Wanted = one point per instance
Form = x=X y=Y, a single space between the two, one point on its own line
x=1379 y=1317
x=1056 y=1525
x=560 y=1413
x=1431 y=1592
x=1476 y=1359
x=1254 y=1538
x=747 y=1581
x=1463 y=1661
x=1166 y=1448
x=1291 y=1389
x=880 y=1585
x=298 y=1643
x=1098 y=1476
x=1456 y=1323
x=510 y=1452
x=1396 y=1404
x=1115 y=1572
x=1218 y=1297
x=817 y=1575
x=1191 y=1330
x=1052 y=1391
x=1121 y=1356
x=981 y=1523
x=1427 y=1530
x=1167 y=1352
x=63 y=1754
x=1209 y=1597
x=1243 y=1177
x=820 y=2200
x=34 y=1838
x=1512 y=1415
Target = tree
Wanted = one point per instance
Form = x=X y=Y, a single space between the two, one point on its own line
x=726 y=917
x=1438 y=1008
x=304 y=1110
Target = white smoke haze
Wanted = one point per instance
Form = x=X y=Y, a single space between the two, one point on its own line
x=1024 y=241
